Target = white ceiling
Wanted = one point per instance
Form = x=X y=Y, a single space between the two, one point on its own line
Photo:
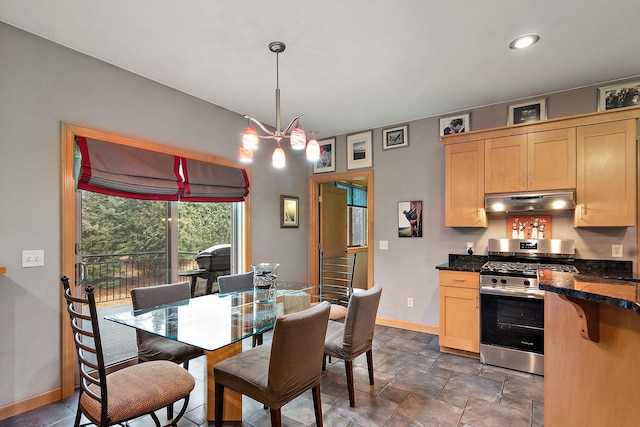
x=349 y=65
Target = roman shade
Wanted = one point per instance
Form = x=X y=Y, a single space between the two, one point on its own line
x=131 y=172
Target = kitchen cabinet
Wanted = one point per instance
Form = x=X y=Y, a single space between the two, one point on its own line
x=535 y=161
x=459 y=311
x=464 y=185
x=606 y=175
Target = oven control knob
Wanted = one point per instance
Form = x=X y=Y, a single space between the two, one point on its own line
x=527 y=283
x=494 y=280
x=503 y=281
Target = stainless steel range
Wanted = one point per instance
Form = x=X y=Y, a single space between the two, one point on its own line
x=512 y=305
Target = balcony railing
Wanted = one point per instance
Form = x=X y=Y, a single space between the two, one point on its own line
x=114 y=275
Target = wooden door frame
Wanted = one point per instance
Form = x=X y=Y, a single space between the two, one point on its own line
x=68 y=225
x=314 y=219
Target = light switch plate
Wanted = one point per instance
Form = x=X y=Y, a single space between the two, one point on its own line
x=384 y=244
x=33 y=258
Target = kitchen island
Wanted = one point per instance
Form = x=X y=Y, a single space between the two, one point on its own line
x=592 y=349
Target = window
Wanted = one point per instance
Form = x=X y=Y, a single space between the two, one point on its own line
x=356 y=214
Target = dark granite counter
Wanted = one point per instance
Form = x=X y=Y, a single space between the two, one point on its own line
x=620 y=291
x=471 y=263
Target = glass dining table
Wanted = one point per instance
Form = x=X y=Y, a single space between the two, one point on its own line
x=217 y=323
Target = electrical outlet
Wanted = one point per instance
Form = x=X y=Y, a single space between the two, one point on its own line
x=33 y=258
x=616 y=251
x=384 y=244
x=410 y=302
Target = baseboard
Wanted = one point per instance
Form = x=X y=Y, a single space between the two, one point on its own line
x=411 y=326
x=30 y=403
x=459 y=352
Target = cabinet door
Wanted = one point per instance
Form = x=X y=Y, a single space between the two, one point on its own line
x=460 y=318
x=506 y=164
x=551 y=160
x=606 y=175
x=464 y=185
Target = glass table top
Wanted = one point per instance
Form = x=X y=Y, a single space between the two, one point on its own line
x=213 y=321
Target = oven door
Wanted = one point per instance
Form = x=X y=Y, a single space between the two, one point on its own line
x=512 y=322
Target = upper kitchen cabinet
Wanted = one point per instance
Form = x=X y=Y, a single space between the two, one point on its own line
x=464 y=185
x=531 y=162
x=606 y=177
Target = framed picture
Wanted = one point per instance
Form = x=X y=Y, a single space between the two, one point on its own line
x=395 y=137
x=529 y=227
x=327 y=160
x=410 y=219
x=618 y=96
x=288 y=212
x=530 y=111
x=454 y=124
x=359 y=152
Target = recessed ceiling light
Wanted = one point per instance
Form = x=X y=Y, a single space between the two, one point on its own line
x=524 y=41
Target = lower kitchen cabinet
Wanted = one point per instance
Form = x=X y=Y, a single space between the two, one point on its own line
x=459 y=311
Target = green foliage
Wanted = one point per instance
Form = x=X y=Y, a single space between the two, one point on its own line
x=117 y=225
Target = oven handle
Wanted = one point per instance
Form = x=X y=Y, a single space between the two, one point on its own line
x=489 y=290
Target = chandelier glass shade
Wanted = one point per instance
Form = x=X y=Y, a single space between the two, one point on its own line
x=294 y=132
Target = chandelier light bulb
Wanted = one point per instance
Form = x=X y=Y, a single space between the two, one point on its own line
x=313 y=150
x=298 y=138
x=278 y=160
x=245 y=156
x=250 y=138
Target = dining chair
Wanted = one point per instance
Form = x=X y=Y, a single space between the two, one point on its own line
x=336 y=282
x=354 y=337
x=237 y=283
x=153 y=347
x=276 y=373
x=128 y=393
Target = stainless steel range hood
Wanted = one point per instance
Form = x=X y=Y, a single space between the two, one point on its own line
x=525 y=202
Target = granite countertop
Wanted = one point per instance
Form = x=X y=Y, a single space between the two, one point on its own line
x=472 y=263
x=620 y=291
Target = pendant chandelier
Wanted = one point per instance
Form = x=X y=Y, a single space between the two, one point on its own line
x=294 y=132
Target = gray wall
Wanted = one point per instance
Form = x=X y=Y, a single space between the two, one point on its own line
x=43 y=84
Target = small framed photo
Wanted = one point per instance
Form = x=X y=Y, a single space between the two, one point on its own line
x=327 y=160
x=395 y=137
x=359 y=152
x=454 y=124
x=288 y=212
x=410 y=219
x=618 y=96
x=530 y=111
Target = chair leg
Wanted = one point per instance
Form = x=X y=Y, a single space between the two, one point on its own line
x=219 y=404
x=276 y=417
x=256 y=340
x=370 y=365
x=317 y=405
x=324 y=362
x=349 y=368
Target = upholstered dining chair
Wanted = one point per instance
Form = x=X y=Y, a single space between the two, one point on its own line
x=236 y=283
x=276 y=373
x=128 y=393
x=153 y=347
x=354 y=337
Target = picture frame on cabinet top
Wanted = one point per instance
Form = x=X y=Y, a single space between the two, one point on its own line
x=455 y=124
x=526 y=112
x=619 y=96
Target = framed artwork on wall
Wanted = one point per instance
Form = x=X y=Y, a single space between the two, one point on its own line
x=619 y=96
x=410 y=219
x=454 y=124
x=395 y=137
x=327 y=160
x=530 y=111
x=289 y=212
x=359 y=151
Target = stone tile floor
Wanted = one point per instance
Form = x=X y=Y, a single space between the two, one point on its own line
x=415 y=385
